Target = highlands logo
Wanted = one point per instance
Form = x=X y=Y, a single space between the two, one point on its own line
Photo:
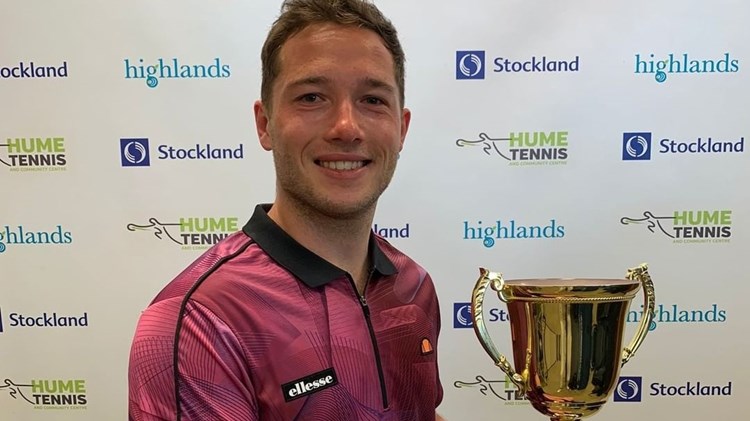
x=45 y=394
x=190 y=233
x=174 y=69
x=511 y=230
x=688 y=227
x=524 y=148
x=34 y=154
x=32 y=70
x=636 y=146
x=503 y=390
x=135 y=152
x=683 y=64
x=678 y=314
x=471 y=64
x=19 y=235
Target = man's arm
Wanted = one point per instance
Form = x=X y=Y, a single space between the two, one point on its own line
x=211 y=381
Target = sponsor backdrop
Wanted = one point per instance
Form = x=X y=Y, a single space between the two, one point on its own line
x=548 y=139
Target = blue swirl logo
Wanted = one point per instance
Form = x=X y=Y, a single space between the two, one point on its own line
x=2 y=245
x=628 y=389
x=474 y=69
x=135 y=153
x=469 y=64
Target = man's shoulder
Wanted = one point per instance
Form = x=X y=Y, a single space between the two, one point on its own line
x=400 y=259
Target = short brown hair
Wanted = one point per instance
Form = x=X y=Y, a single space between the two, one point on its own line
x=296 y=15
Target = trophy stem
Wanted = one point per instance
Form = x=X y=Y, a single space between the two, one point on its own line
x=565 y=418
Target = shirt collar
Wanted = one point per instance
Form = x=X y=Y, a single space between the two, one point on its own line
x=310 y=268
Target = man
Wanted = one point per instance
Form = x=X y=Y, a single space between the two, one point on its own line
x=306 y=314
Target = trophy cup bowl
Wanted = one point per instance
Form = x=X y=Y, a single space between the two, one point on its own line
x=567 y=337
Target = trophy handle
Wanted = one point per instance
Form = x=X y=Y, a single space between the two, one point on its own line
x=495 y=280
x=640 y=273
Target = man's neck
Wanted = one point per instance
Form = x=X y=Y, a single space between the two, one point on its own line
x=342 y=242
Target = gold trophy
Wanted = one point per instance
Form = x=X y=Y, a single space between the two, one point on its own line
x=567 y=337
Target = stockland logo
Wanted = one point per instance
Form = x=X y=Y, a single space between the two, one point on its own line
x=511 y=230
x=174 y=69
x=190 y=233
x=46 y=394
x=462 y=315
x=22 y=154
x=677 y=314
x=683 y=64
x=636 y=146
x=471 y=64
x=630 y=389
x=687 y=226
x=392 y=232
x=523 y=148
x=32 y=70
x=20 y=236
x=43 y=320
x=135 y=152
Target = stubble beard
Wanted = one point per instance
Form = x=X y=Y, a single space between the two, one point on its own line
x=313 y=204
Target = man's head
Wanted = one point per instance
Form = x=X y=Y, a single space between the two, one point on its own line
x=296 y=15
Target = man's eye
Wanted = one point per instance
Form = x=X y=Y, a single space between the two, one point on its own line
x=309 y=98
x=374 y=100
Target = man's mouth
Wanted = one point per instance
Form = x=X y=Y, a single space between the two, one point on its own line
x=342 y=165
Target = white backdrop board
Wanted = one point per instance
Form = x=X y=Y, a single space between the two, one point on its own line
x=548 y=139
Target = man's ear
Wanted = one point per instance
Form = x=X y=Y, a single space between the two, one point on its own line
x=405 y=120
x=261 y=125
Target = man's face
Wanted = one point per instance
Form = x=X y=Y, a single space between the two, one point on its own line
x=336 y=125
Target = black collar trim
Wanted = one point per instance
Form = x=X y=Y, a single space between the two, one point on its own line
x=310 y=268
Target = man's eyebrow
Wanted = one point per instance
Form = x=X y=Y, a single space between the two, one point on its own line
x=311 y=80
x=379 y=84
x=322 y=80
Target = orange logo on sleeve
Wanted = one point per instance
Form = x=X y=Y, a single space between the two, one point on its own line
x=426 y=346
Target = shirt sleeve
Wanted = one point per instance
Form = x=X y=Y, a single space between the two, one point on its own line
x=212 y=381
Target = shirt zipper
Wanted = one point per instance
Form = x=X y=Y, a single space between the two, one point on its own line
x=366 y=312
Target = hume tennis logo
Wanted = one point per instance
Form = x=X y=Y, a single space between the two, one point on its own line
x=687 y=226
x=45 y=154
x=191 y=233
x=46 y=394
x=174 y=69
x=523 y=148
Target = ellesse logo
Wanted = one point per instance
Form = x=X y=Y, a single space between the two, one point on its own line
x=310 y=384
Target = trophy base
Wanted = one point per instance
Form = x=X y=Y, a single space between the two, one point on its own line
x=568 y=411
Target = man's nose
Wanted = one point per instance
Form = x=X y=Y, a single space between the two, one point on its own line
x=346 y=122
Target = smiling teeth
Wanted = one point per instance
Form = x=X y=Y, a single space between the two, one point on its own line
x=342 y=165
